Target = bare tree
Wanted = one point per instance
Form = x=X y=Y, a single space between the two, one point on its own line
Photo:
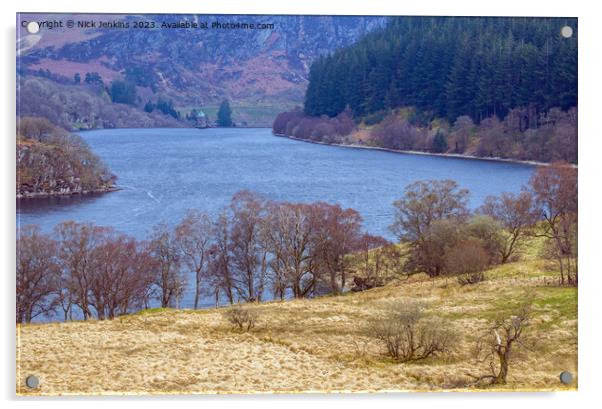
x=37 y=128
x=37 y=273
x=425 y=203
x=290 y=236
x=428 y=254
x=77 y=243
x=193 y=237
x=123 y=273
x=336 y=234
x=169 y=279
x=248 y=245
x=516 y=216
x=554 y=189
x=220 y=262
x=460 y=137
x=371 y=263
x=496 y=346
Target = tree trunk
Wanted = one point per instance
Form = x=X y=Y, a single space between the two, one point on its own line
x=197 y=292
x=503 y=373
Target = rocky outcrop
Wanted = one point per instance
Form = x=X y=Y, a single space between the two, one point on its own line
x=57 y=168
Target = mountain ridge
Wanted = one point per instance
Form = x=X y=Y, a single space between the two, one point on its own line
x=265 y=68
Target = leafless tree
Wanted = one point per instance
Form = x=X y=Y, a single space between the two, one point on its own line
x=77 y=243
x=123 y=273
x=372 y=262
x=37 y=273
x=220 y=262
x=193 y=237
x=37 y=128
x=336 y=234
x=554 y=189
x=460 y=137
x=169 y=279
x=428 y=254
x=423 y=204
x=290 y=237
x=496 y=347
x=248 y=245
x=515 y=214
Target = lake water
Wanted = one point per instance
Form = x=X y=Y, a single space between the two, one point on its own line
x=165 y=172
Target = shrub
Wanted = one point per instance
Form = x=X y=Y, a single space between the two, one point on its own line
x=468 y=258
x=472 y=278
x=242 y=318
x=410 y=336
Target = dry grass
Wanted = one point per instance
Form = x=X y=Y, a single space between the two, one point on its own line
x=302 y=345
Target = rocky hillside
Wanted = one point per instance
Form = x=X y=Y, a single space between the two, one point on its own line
x=51 y=162
x=261 y=71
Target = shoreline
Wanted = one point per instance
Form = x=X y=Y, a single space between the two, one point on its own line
x=46 y=195
x=406 y=152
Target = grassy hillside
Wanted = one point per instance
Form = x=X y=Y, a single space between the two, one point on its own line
x=304 y=345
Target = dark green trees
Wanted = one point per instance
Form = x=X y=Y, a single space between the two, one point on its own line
x=123 y=92
x=224 y=114
x=440 y=142
x=450 y=66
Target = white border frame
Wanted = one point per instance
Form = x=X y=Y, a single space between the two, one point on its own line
x=590 y=148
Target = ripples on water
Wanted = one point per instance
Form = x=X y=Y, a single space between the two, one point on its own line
x=165 y=172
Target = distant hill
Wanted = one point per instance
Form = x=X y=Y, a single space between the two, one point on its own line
x=74 y=73
x=495 y=87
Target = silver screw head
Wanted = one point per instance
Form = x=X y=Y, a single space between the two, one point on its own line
x=32 y=381
x=566 y=31
x=33 y=27
x=566 y=377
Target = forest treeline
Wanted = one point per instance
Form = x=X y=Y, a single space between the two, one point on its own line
x=450 y=66
x=257 y=248
x=51 y=161
x=552 y=138
x=490 y=87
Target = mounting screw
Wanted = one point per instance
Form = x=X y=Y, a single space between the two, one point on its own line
x=33 y=27
x=32 y=381
x=566 y=377
x=566 y=31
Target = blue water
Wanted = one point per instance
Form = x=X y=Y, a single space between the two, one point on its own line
x=165 y=172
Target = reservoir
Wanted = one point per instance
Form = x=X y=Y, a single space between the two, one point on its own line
x=164 y=172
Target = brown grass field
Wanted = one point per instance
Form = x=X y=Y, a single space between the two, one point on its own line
x=314 y=345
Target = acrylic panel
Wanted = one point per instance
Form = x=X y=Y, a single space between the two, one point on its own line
x=291 y=204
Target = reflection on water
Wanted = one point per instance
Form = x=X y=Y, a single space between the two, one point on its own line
x=54 y=203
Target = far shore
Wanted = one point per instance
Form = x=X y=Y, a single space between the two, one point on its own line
x=445 y=155
x=45 y=195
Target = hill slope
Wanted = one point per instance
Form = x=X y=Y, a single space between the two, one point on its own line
x=260 y=71
x=303 y=345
